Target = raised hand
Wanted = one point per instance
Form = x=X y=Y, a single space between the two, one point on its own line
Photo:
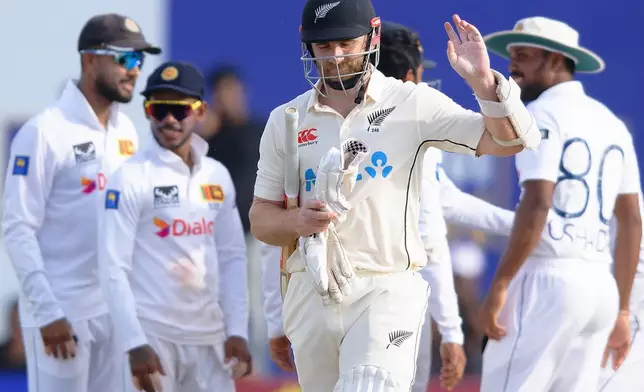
x=467 y=54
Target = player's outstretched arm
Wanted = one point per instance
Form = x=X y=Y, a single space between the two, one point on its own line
x=504 y=126
x=118 y=221
x=29 y=178
x=463 y=209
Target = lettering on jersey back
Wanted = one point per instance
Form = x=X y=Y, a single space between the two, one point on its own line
x=84 y=152
x=166 y=196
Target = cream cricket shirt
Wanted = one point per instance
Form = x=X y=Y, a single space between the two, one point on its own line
x=588 y=153
x=398 y=121
x=60 y=161
x=173 y=254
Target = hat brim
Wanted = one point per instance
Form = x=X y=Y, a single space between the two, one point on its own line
x=169 y=87
x=139 y=45
x=585 y=60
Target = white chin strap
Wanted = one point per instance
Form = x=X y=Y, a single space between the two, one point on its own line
x=510 y=106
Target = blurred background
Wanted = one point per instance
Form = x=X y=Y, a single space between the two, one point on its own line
x=250 y=52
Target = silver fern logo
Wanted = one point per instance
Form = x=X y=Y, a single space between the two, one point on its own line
x=321 y=11
x=377 y=118
x=398 y=337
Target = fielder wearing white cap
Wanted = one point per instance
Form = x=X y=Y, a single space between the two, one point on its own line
x=554 y=302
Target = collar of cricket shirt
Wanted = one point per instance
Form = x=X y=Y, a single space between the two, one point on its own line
x=199 y=150
x=74 y=103
x=375 y=87
x=572 y=87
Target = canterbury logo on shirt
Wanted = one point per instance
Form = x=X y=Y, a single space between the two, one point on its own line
x=180 y=227
x=307 y=137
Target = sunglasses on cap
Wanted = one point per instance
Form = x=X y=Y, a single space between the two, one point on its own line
x=129 y=59
x=159 y=110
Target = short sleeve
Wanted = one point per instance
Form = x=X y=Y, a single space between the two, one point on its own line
x=542 y=163
x=269 y=184
x=446 y=124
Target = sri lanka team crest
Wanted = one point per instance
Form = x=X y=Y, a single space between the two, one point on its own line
x=126 y=147
x=212 y=194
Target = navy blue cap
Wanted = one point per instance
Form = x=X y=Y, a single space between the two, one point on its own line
x=114 y=30
x=395 y=36
x=334 y=20
x=178 y=76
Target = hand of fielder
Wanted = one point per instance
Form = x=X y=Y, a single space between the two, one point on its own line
x=454 y=361
x=619 y=342
x=59 y=339
x=238 y=356
x=490 y=310
x=280 y=350
x=146 y=369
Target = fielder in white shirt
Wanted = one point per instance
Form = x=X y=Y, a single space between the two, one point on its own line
x=554 y=302
x=172 y=254
x=364 y=329
x=59 y=165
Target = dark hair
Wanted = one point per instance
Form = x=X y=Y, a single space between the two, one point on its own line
x=399 y=51
x=570 y=65
x=395 y=62
x=218 y=74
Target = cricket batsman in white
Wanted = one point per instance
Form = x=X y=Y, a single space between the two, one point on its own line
x=554 y=307
x=172 y=251
x=401 y=57
x=59 y=165
x=368 y=335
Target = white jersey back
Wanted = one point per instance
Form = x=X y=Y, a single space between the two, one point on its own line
x=588 y=153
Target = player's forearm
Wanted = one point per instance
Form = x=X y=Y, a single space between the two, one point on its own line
x=24 y=252
x=529 y=222
x=272 y=297
x=464 y=209
x=234 y=297
x=443 y=302
x=273 y=224
x=627 y=251
x=122 y=305
x=499 y=128
x=506 y=118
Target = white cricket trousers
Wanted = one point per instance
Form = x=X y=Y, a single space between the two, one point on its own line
x=371 y=338
x=424 y=360
x=630 y=376
x=558 y=315
x=94 y=369
x=188 y=368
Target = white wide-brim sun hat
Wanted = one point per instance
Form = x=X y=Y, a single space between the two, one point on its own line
x=548 y=34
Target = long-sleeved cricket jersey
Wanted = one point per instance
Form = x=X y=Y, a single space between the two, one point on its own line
x=59 y=164
x=172 y=253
